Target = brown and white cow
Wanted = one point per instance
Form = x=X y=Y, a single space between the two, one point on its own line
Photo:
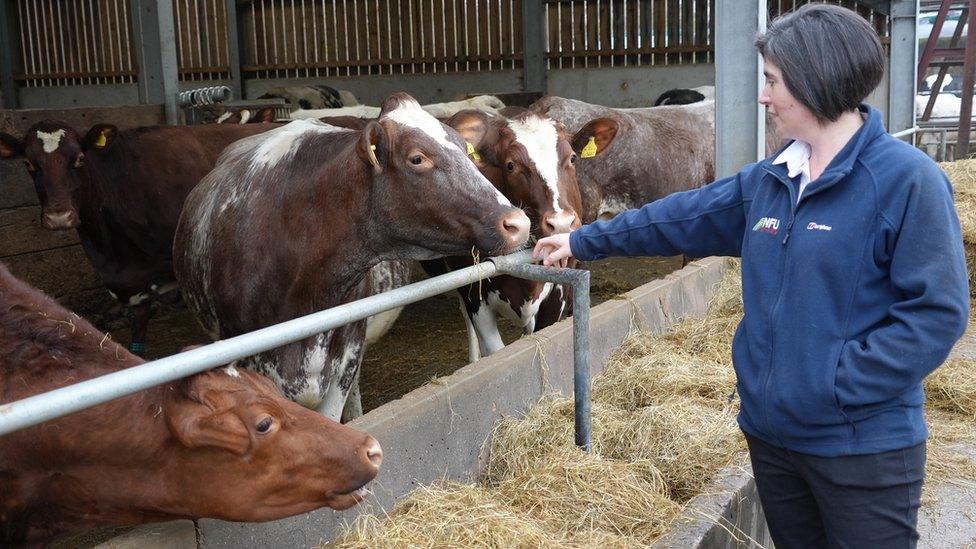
x=221 y=444
x=290 y=221
x=532 y=161
x=123 y=192
x=657 y=151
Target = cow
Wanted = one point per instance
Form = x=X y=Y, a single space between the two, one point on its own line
x=656 y=151
x=222 y=114
x=123 y=192
x=222 y=444
x=679 y=96
x=316 y=96
x=532 y=161
x=290 y=221
x=486 y=103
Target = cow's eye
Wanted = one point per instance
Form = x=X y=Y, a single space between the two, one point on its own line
x=416 y=160
x=510 y=166
x=80 y=160
x=264 y=425
x=30 y=166
x=573 y=159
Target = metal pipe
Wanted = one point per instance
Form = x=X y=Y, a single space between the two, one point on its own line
x=43 y=407
x=903 y=133
x=580 y=282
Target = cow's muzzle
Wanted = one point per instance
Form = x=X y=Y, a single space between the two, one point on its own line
x=59 y=221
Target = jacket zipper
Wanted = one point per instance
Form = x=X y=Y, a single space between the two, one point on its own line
x=794 y=207
x=779 y=298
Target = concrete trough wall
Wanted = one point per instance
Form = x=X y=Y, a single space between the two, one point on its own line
x=439 y=431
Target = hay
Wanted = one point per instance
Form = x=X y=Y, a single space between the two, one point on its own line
x=952 y=387
x=447 y=515
x=519 y=445
x=688 y=442
x=578 y=493
x=962 y=173
x=710 y=337
x=647 y=371
x=684 y=439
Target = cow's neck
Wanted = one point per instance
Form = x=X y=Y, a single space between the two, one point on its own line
x=351 y=237
x=98 y=202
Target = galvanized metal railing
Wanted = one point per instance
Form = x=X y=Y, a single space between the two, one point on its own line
x=73 y=398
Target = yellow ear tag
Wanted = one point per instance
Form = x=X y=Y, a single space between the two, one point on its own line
x=589 y=151
x=473 y=153
x=101 y=141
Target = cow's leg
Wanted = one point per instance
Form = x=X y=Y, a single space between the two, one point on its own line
x=474 y=348
x=354 y=402
x=486 y=326
x=141 y=314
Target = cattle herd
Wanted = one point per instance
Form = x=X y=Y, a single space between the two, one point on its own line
x=256 y=224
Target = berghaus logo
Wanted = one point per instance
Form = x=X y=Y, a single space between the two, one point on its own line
x=767 y=225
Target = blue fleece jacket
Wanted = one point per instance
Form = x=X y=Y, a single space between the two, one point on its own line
x=852 y=296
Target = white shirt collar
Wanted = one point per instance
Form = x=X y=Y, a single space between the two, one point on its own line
x=797 y=159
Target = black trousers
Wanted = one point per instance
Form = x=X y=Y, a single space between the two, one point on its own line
x=853 y=501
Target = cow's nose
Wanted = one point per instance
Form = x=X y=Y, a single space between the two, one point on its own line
x=373 y=452
x=561 y=222
x=57 y=221
x=515 y=227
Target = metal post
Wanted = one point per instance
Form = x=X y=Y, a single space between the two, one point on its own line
x=533 y=46
x=902 y=65
x=8 y=30
x=740 y=123
x=968 y=77
x=155 y=43
x=580 y=281
x=235 y=44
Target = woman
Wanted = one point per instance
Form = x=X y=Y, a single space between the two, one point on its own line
x=853 y=281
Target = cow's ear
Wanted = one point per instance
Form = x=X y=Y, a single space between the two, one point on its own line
x=594 y=138
x=100 y=136
x=372 y=145
x=266 y=114
x=472 y=124
x=10 y=146
x=196 y=422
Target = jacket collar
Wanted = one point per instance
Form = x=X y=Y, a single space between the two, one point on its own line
x=843 y=163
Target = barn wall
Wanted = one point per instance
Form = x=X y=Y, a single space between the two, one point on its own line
x=426 y=88
x=53 y=260
x=627 y=86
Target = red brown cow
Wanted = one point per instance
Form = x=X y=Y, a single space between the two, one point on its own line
x=533 y=162
x=222 y=444
x=123 y=192
x=290 y=221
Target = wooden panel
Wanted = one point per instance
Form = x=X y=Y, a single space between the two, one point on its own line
x=21 y=232
x=16 y=186
x=16 y=122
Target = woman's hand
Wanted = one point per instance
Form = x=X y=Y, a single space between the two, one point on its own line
x=553 y=250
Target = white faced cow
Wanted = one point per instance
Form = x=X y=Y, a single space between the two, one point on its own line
x=532 y=161
x=290 y=221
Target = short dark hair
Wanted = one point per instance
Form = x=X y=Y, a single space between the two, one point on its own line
x=830 y=56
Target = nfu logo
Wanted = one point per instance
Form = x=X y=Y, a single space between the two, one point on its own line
x=767 y=225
